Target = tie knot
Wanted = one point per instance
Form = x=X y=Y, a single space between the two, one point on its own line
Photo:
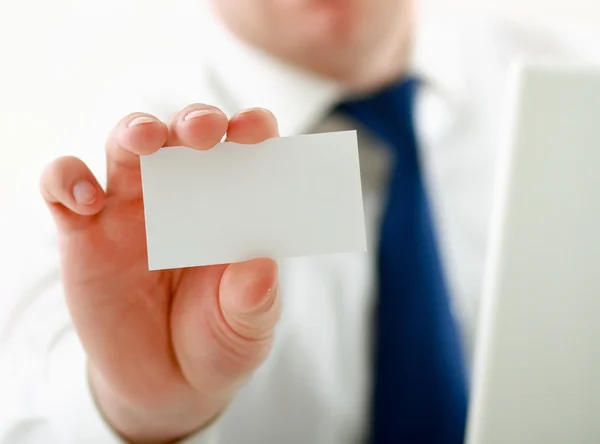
x=388 y=113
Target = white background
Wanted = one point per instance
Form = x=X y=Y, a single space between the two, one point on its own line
x=58 y=61
x=60 y=57
x=566 y=12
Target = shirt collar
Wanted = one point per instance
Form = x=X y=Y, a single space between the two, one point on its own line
x=247 y=77
x=251 y=78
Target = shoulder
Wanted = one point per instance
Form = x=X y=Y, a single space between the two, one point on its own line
x=471 y=55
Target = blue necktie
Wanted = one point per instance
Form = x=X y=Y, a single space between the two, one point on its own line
x=420 y=393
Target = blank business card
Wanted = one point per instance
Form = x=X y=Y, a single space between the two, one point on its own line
x=284 y=197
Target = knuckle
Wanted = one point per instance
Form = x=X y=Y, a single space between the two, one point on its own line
x=235 y=355
x=57 y=168
x=259 y=326
x=241 y=357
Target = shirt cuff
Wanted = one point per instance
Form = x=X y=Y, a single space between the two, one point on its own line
x=72 y=410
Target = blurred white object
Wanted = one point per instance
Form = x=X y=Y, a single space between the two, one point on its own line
x=538 y=357
x=535 y=12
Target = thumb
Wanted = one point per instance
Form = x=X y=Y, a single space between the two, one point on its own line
x=226 y=337
x=249 y=298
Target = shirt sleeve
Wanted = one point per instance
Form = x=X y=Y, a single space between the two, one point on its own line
x=44 y=392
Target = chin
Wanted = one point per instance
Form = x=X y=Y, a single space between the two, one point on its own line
x=359 y=66
x=332 y=22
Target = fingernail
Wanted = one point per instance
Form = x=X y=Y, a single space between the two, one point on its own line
x=198 y=113
x=84 y=192
x=141 y=120
x=252 y=110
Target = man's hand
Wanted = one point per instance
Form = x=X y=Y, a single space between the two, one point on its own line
x=167 y=349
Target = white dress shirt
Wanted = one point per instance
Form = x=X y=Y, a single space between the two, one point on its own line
x=315 y=385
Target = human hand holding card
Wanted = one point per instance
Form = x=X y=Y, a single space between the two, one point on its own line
x=283 y=197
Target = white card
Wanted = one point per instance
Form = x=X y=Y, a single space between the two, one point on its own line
x=285 y=197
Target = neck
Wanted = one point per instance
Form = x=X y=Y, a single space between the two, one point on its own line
x=385 y=62
x=390 y=61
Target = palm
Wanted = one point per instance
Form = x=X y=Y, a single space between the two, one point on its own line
x=119 y=305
